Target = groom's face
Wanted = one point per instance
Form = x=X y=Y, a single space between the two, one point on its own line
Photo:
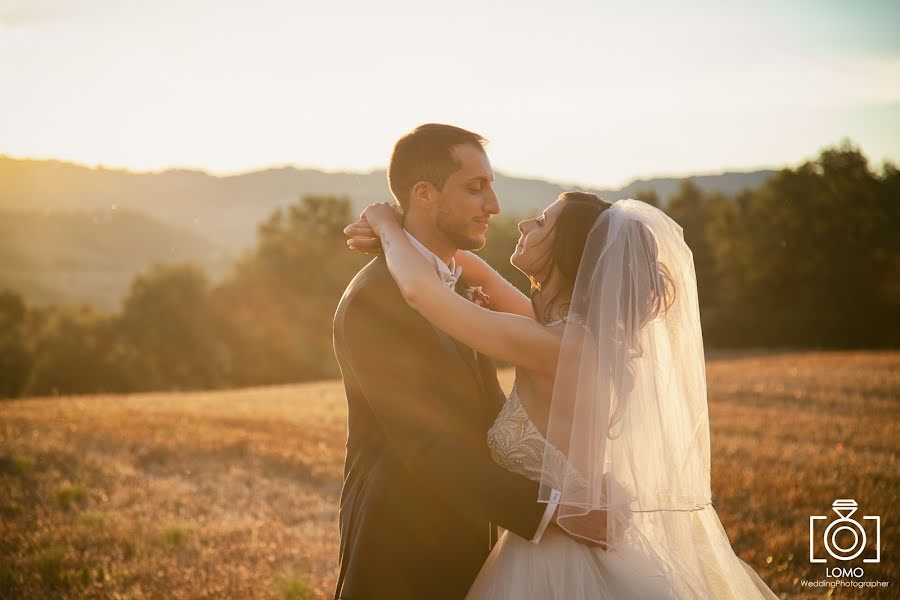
x=467 y=201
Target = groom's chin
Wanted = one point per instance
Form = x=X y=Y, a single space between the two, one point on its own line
x=471 y=242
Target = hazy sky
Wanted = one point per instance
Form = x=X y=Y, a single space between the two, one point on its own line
x=590 y=92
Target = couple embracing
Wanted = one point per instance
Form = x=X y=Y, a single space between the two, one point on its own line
x=596 y=466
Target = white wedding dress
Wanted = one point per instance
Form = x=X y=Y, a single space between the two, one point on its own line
x=560 y=568
x=557 y=568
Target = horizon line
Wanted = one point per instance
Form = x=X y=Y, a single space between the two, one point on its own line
x=99 y=166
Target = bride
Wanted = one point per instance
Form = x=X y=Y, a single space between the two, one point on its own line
x=608 y=410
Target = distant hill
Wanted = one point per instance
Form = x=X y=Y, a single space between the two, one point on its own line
x=92 y=257
x=727 y=183
x=226 y=210
x=74 y=233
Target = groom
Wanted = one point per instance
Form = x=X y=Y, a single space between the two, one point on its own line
x=421 y=497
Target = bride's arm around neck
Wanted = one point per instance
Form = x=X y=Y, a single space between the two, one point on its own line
x=505 y=336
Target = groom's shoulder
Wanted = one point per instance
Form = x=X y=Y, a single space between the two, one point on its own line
x=372 y=283
x=371 y=277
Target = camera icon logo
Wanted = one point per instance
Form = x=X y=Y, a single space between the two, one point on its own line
x=844 y=508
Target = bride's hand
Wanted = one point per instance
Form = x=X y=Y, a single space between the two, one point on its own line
x=382 y=215
x=589 y=529
x=364 y=237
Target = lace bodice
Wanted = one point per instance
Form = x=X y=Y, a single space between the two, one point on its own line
x=517 y=445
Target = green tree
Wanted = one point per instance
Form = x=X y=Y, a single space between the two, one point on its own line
x=280 y=301
x=690 y=208
x=804 y=258
x=647 y=195
x=15 y=358
x=169 y=318
x=70 y=353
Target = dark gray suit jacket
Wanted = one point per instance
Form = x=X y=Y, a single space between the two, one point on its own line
x=421 y=494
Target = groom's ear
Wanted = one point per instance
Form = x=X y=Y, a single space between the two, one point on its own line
x=423 y=195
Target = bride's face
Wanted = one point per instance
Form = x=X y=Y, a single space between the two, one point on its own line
x=536 y=240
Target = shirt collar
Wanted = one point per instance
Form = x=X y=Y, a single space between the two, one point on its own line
x=449 y=275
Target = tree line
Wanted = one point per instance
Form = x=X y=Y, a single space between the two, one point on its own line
x=809 y=260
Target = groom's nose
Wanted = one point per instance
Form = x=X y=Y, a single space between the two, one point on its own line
x=492 y=203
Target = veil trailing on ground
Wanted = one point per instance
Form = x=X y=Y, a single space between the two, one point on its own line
x=629 y=412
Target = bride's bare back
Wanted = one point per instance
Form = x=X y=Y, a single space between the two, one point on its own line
x=535 y=389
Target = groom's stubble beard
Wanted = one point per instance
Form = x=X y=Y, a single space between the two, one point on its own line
x=456 y=232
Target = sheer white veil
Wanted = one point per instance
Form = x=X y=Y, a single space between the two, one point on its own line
x=629 y=409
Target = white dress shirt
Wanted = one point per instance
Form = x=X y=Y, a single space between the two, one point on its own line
x=450 y=275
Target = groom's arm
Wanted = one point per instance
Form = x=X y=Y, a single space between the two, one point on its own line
x=384 y=348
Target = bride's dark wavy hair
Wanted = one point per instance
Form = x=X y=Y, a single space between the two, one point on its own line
x=571 y=230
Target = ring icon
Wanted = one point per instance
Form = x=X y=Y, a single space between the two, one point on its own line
x=845 y=509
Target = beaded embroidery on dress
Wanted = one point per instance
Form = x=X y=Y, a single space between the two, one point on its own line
x=515 y=442
x=518 y=446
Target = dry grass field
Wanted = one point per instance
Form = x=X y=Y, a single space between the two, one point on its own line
x=233 y=494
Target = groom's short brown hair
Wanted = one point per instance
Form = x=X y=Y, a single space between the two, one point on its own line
x=425 y=154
